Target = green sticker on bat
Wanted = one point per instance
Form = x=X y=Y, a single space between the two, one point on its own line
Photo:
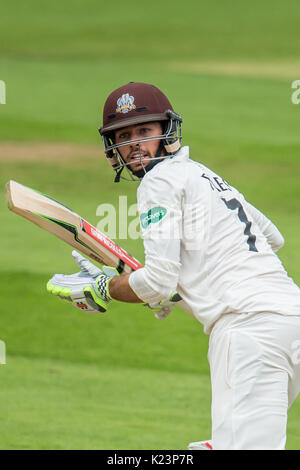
x=153 y=216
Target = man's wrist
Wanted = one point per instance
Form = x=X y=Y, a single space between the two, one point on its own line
x=119 y=289
x=112 y=287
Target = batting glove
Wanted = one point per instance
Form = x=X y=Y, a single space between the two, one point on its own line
x=163 y=308
x=87 y=289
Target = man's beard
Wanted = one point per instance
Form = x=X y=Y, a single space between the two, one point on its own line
x=140 y=173
x=157 y=158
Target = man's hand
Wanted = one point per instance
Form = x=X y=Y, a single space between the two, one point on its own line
x=87 y=289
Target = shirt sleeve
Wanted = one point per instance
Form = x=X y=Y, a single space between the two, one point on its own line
x=160 y=198
x=270 y=231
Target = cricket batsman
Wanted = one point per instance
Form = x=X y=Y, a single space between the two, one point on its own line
x=205 y=243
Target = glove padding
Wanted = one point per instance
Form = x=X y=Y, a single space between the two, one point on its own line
x=87 y=289
x=163 y=308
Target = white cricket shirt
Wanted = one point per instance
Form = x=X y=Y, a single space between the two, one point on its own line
x=203 y=239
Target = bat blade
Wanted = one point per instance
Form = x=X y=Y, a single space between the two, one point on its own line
x=58 y=219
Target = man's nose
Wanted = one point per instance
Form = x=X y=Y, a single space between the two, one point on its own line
x=135 y=144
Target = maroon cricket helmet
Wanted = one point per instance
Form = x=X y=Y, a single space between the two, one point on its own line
x=138 y=103
x=132 y=104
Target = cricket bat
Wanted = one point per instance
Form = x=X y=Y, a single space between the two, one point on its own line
x=58 y=219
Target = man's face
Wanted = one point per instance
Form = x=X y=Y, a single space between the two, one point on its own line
x=137 y=153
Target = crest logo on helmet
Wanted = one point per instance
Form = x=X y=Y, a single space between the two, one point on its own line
x=125 y=104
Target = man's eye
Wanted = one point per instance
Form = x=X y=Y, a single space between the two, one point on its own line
x=123 y=136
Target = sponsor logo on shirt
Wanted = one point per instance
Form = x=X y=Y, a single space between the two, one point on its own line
x=153 y=216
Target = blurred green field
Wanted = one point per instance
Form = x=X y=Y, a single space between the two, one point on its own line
x=124 y=380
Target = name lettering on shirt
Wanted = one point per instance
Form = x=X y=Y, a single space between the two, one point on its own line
x=217 y=183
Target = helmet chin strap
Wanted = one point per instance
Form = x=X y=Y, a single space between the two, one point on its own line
x=118 y=175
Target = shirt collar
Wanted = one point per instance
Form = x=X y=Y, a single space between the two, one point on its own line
x=183 y=153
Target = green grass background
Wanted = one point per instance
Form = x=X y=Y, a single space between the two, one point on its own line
x=124 y=380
